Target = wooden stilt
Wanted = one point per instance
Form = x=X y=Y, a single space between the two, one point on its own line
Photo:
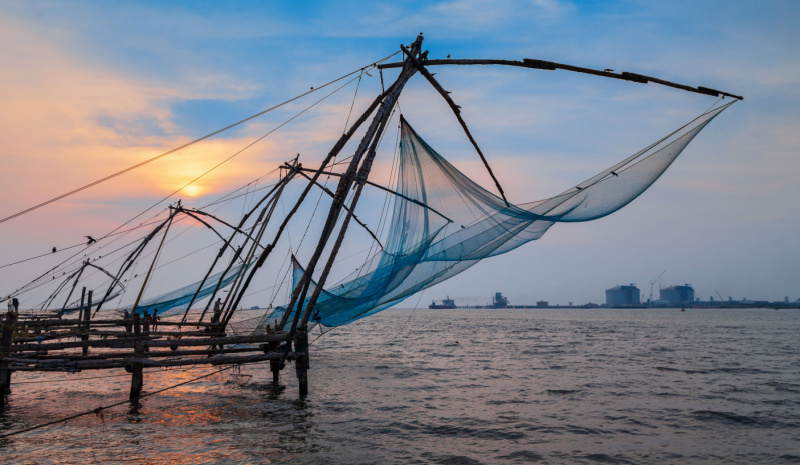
x=137 y=379
x=274 y=364
x=87 y=314
x=301 y=361
x=83 y=302
x=6 y=339
x=275 y=367
x=146 y=329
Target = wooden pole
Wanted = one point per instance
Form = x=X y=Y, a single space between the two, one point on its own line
x=87 y=314
x=333 y=152
x=83 y=301
x=146 y=329
x=137 y=378
x=551 y=66
x=457 y=111
x=378 y=126
x=345 y=182
x=6 y=339
x=153 y=264
x=301 y=362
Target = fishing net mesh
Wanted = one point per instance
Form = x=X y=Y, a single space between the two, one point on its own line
x=443 y=222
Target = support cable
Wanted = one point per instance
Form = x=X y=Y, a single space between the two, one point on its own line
x=102 y=408
x=207 y=136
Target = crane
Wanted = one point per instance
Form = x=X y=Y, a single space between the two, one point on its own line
x=720 y=297
x=653 y=282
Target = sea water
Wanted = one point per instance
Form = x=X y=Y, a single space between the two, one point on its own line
x=618 y=386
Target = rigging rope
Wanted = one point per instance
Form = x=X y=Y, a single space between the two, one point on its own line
x=199 y=177
x=102 y=408
x=207 y=136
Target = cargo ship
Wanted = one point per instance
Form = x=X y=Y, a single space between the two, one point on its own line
x=446 y=303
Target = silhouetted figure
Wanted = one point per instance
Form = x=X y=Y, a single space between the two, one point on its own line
x=15 y=303
x=217 y=311
x=90 y=241
x=155 y=318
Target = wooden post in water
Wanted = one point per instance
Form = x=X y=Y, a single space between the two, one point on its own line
x=6 y=339
x=87 y=314
x=301 y=361
x=83 y=301
x=274 y=364
x=137 y=379
x=146 y=328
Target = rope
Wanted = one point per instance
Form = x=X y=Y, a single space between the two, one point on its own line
x=99 y=377
x=98 y=410
x=201 y=176
x=352 y=104
x=207 y=136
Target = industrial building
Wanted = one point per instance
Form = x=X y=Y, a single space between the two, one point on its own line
x=623 y=295
x=676 y=295
x=499 y=301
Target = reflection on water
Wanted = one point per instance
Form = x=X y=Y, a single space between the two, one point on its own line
x=455 y=387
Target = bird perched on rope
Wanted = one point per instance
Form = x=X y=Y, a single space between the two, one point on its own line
x=54 y=250
x=90 y=241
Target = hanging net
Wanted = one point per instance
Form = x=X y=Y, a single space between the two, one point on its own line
x=443 y=222
x=175 y=302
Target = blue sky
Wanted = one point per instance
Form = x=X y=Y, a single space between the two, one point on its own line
x=94 y=87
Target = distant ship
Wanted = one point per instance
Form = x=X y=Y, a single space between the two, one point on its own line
x=446 y=303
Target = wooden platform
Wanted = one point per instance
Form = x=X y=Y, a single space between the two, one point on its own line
x=29 y=343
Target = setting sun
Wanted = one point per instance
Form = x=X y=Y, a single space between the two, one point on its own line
x=192 y=190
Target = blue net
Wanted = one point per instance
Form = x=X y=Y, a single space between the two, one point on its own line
x=443 y=222
x=175 y=302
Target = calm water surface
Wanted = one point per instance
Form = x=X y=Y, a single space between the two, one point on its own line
x=456 y=387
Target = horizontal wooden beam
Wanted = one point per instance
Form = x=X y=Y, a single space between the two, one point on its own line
x=551 y=66
x=153 y=363
x=120 y=322
x=130 y=342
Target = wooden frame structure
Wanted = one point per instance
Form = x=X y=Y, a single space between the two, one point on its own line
x=137 y=342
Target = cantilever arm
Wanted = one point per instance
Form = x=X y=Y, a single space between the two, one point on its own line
x=549 y=65
x=457 y=111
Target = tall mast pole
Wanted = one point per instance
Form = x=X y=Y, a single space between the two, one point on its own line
x=370 y=141
x=153 y=264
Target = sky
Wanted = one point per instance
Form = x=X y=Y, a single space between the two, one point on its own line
x=90 y=88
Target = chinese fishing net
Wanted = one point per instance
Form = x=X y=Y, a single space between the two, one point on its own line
x=443 y=222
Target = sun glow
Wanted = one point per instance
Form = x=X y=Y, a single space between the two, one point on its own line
x=192 y=190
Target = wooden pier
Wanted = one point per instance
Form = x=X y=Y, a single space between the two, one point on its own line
x=30 y=343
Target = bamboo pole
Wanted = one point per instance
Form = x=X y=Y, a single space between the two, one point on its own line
x=137 y=377
x=153 y=263
x=457 y=111
x=87 y=313
x=345 y=181
x=551 y=66
x=377 y=127
x=343 y=139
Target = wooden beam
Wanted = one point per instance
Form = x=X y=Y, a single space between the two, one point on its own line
x=129 y=342
x=551 y=66
x=457 y=111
